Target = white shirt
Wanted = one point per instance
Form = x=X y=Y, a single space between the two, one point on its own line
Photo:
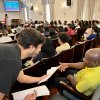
x=62 y=47
x=4 y=39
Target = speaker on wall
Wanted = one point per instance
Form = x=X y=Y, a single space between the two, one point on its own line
x=68 y=2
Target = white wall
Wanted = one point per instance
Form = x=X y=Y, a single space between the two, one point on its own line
x=63 y=12
x=11 y=15
x=38 y=13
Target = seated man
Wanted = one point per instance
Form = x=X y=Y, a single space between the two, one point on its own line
x=86 y=80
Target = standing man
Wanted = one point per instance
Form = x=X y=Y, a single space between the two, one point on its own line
x=29 y=43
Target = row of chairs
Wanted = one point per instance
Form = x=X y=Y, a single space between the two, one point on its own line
x=74 y=54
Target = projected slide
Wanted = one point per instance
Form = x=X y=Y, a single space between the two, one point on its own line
x=11 y=5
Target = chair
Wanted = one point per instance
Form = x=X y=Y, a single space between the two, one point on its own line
x=66 y=56
x=78 y=52
x=94 y=43
x=74 y=39
x=88 y=45
x=96 y=94
x=73 y=92
x=52 y=61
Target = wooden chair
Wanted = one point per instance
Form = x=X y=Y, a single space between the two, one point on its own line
x=78 y=52
x=66 y=56
x=74 y=38
x=88 y=45
x=73 y=91
x=94 y=43
x=52 y=61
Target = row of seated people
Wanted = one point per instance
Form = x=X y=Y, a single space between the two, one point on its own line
x=41 y=67
x=76 y=34
x=49 y=51
x=22 y=35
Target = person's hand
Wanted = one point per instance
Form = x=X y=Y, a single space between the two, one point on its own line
x=31 y=96
x=63 y=66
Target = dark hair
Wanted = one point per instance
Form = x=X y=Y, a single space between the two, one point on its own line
x=70 y=26
x=48 y=47
x=52 y=31
x=6 y=15
x=30 y=36
x=64 y=37
x=95 y=28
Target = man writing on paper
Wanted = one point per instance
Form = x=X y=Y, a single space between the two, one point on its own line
x=87 y=79
x=29 y=43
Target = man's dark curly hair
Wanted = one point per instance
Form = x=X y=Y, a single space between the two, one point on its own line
x=30 y=36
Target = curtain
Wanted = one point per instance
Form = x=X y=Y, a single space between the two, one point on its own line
x=80 y=7
x=91 y=7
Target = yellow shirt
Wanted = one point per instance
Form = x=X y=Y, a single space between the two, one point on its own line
x=62 y=47
x=87 y=80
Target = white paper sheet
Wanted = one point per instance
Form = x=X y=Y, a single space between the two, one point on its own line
x=41 y=91
x=50 y=72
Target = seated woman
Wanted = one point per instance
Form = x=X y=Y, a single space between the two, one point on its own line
x=93 y=34
x=63 y=40
x=47 y=50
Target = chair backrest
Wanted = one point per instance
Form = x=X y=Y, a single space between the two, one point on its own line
x=94 y=43
x=70 y=89
x=66 y=56
x=96 y=94
x=88 y=45
x=78 y=52
x=51 y=62
x=74 y=39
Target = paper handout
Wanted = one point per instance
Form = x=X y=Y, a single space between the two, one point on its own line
x=50 y=72
x=41 y=91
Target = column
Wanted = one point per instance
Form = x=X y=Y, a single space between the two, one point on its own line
x=48 y=6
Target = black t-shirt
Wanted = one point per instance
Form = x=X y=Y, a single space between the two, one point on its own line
x=10 y=66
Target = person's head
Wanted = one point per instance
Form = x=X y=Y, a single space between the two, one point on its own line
x=30 y=41
x=63 y=38
x=92 y=57
x=6 y=15
x=52 y=32
x=69 y=26
x=48 y=47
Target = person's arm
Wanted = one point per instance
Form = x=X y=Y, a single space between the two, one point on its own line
x=22 y=78
x=1 y=95
x=81 y=86
x=79 y=65
x=72 y=80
